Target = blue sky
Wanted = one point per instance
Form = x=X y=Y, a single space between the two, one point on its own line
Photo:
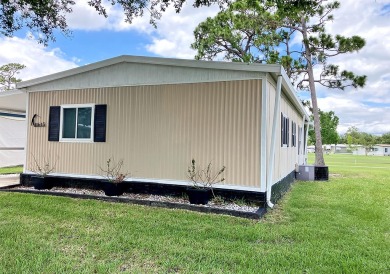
x=95 y=38
x=92 y=46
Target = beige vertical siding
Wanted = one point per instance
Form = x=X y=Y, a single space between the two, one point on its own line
x=285 y=157
x=157 y=130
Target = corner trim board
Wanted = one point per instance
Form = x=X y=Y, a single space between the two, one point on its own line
x=263 y=136
x=26 y=134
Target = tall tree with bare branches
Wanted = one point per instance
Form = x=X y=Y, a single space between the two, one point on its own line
x=291 y=33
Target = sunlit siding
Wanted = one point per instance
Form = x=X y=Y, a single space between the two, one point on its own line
x=285 y=157
x=158 y=129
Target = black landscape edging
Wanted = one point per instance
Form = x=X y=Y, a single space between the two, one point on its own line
x=9 y=186
x=249 y=215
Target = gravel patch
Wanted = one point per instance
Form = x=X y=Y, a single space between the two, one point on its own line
x=148 y=197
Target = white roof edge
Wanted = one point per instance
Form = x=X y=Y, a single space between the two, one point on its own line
x=154 y=61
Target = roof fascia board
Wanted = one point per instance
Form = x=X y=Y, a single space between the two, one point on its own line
x=153 y=61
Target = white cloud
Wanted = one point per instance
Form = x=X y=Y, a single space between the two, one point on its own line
x=85 y=17
x=356 y=113
x=172 y=37
x=174 y=33
x=38 y=60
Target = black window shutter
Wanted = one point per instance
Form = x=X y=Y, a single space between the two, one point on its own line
x=54 y=123
x=100 y=123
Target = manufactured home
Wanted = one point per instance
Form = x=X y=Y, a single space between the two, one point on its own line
x=376 y=150
x=340 y=148
x=12 y=128
x=157 y=114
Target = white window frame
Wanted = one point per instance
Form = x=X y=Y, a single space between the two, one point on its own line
x=77 y=106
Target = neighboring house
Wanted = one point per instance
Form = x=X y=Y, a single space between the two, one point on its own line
x=311 y=149
x=326 y=148
x=379 y=150
x=358 y=150
x=157 y=114
x=12 y=127
x=385 y=148
x=339 y=148
x=376 y=150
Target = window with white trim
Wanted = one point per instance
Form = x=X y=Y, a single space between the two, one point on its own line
x=77 y=123
x=77 y=127
x=285 y=131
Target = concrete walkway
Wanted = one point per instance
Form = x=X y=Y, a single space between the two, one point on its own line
x=9 y=180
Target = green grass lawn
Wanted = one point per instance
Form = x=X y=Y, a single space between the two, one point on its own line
x=340 y=226
x=11 y=170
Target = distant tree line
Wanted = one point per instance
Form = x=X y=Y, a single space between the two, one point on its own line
x=329 y=122
x=354 y=136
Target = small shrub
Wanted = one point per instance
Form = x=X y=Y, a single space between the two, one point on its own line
x=113 y=171
x=204 y=177
x=43 y=169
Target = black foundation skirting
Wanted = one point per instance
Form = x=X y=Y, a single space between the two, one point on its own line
x=257 y=198
x=281 y=187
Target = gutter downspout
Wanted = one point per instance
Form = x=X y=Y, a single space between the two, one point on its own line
x=271 y=165
x=263 y=135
